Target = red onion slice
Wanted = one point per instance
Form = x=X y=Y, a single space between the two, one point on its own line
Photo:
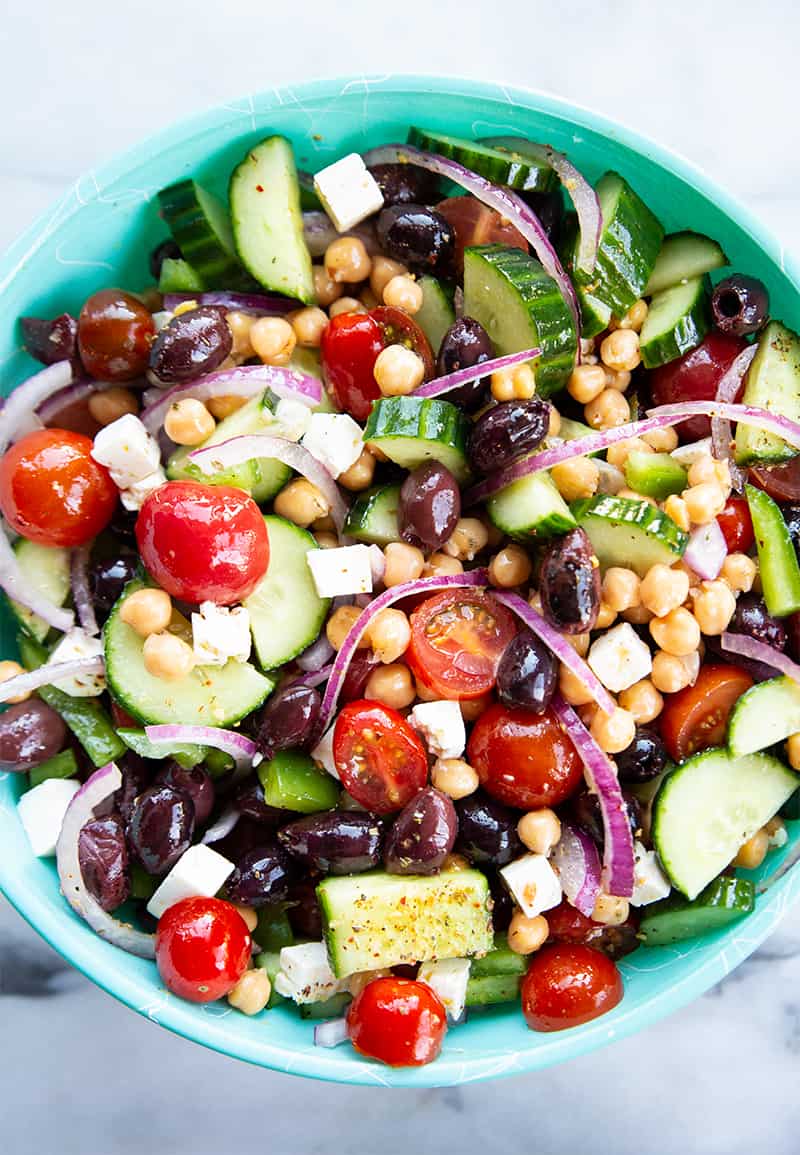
x=241 y=748
x=707 y=550
x=314 y=677
x=727 y=390
x=49 y=674
x=577 y=863
x=260 y=304
x=223 y=826
x=318 y=654
x=331 y=1033
x=28 y=396
x=747 y=647
x=99 y=787
x=474 y=373
x=18 y=588
x=81 y=593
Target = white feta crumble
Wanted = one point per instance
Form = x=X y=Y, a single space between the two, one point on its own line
x=74 y=645
x=127 y=450
x=220 y=633
x=448 y=979
x=533 y=883
x=41 y=812
x=686 y=455
x=620 y=658
x=305 y=975
x=335 y=439
x=650 y=884
x=199 y=871
x=293 y=417
x=779 y=837
x=441 y=724
x=323 y=753
x=341 y=571
x=135 y=496
x=348 y=191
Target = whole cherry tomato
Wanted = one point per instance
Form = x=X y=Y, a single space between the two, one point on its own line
x=697 y=717
x=476 y=224
x=115 y=332
x=380 y=759
x=569 y=984
x=53 y=491
x=203 y=542
x=737 y=525
x=398 y=1021
x=695 y=377
x=202 y=948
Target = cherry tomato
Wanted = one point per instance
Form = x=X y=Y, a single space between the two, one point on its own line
x=53 y=491
x=350 y=347
x=203 y=542
x=566 y=924
x=115 y=332
x=398 y=1021
x=524 y=759
x=697 y=717
x=457 y=640
x=477 y=224
x=202 y=948
x=737 y=525
x=781 y=482
x=695 y=377
x=569 y=984
x=381 y=761
x=400 y=329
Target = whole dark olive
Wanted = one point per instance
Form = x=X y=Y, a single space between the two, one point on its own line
x=569 y=584
x=103 y=860
x=30 y=733
x=161 y=827
x=422 y=835
x=405 y=184
x=752 y=618
x=123 y=524
x=793 y=635
x=430 y=506
x=507 y=431
x=587 y=814
x=740 y=305
x=528 y=673
x=487 y=831
x=418 y=236
x=262 y=876
x=51 y=341
x=165 y=250
x=644 y=759
x=549 y=208
x=245 y=836
x=615 y=941
x=192 y=344
x=288 y=719
x=503 y=905
x=304 y=911
x=197 y=783
x=249 y=801
x=108 y=578
x=137 y=774
x=335 y=842
x=466 y=343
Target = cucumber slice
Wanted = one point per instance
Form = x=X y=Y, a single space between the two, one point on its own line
x=436 y=314
x=500 y=960
x=629 y=533
x=764 y=715
x=595 y=315
x=773 y=382
x=178 y=276
x=46 y=571
x=373 y=516
x=200 y=224
x=267 y=221
x=286 y=612
x=489 y=990
x=530 y=506
x=654 y=474
x=677 y=321
x=777 y=559
x=413 y=430
x=500 y=165
x=270 y=961
x=208 y=696
x=682 y=257
x=273 y=930
x=380 y=920
x=293 y=781
x=332 y=1008
x=709 y=806
x=521 y=307
x=675 y=918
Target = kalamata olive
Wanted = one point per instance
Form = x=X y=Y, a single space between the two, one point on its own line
x=304 y=911
x=422 y=835
x=335 y=841
x=549 y=208
x=753 y=619
x=404 y=184
x=123 y=524
x=191 y=344
x=791 y=515
x=161 y=827
x=527 y=674
x=418 y=236
x=466 y=343
x=249 y=801
x=507 y=431
x=358 y=672
x=262 y=876
x=740 y=305
x=287 y=720
x=245 y=835
x=103 y=859
x=166 y=250
x=115 y=331
x=644 y=759
x=51 y=341
x=487 y=830
x=569 y=584
x=429 y=507
x=108 y=578
x=616 y=941
x=587 y=814
x=30 y=733
x=197 y=783
x=502 y=903
x=137 y=774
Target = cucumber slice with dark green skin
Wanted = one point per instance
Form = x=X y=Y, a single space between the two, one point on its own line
x=46 y=572
x=521 y=307
x=270 y=961
x=629 y=533
x=684 y=256
x=765 y=714
x=489 y=990
x=200 y=224
x=63 y=765
x=413 y=430
x=373 y=516
x=267 y=220
x=178 y=276
x=286 y=612
x=332 y=1008
x=677 y=321
x=708 y=807
x=500 y=960
x=529 y=507
x=293 y=781
x=630 y=241
x=273 y=930
x=436 y=314
x=186 y=754
x=676 y=918
x=499 y=165
x=773 y=382
x=208 y=696
x=777 y=560
x=654 y=474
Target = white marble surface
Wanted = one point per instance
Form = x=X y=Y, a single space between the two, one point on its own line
x=82 y=1074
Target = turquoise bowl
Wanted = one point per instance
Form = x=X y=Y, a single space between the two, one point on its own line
x=100 y=234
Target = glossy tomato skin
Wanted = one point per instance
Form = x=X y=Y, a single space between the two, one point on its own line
x=566 y=924
x=53 y=491
x=202 y=948
x=115 y=332
x=350 y=347
x=380 y=759
x=476 y=224
x=696 y=718
x=398 y=1021
x=457 y=640
x=737 y=525
x=524 y=759
x=569 y=984
x=203 y=542
x=695 y=377
x=401 y=329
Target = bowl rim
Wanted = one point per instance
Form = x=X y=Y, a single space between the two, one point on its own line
x=68 y=939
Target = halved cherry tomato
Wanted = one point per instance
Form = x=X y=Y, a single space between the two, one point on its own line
x=567 y=985
x=381 y=761
x=695 y=377
x=781 y=482
x=400 y=329
x=737 y=525
x=398 y=1021
x=524 y=759
x=203 y=948
x=53 y=491
x=476 y=224
x=696 y=718
x=457 y=640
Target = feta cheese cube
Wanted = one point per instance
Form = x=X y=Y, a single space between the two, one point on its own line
x=620 y=658
x=135 y=496
x=41 y=812
x=335 y=439
x=220 y=633
x=305 y=975
x=649 y=881
x=77 y=644
x=323 y=754
x=448 y=979
x=686 y=455
x=199 y=871
x=441 y=724
x=348 y=191
x=533 y=883
x=293 y=417
x=340 y=572
x=127 y=450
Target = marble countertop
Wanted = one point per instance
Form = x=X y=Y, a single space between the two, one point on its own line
x=81 y=1074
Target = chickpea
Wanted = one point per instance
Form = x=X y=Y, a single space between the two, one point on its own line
x=676 y=508
x=637 y=615
x=663 y=589
x=252 y=992
x=368 y=299
x=606 y=616
x=739 y=571
x=389 y=635
x=188 y=422
x=472 y=708
x=384 y=270
x=635 y=316
x=326 y=540
x=618 y=379
x=496 y=536
x=224 y=405
x=669 y=673
x=576 y=478
x=469 y=537
x=301 y=502
x=610 y=910
x=607 y=411
x=240 y=325
x=339 y=625
x=753 y=852
x=572 y=689
x=454 y=777
x=148 y=611
x=439 y=564
x=326 y=290
x=714 y=606
x=643 y=701
x=309 y=324
x=613 y=732
x=510 y=567
x=8 y=670
x=167 y=656
x=702 y=470
x=392 y=685
x=425 y=693
x=324 y=524
x=273 y=340
x=554 y=424
x=586 y=382
x=398 y=371
x=526 y=935
x=347 y=260
x=404 y=293
x=662 y=440
x=619 y=453
x=514 y=384
x=621 y=589
x=249 y=916
x=404 y=563
x=360 y=474
x=704 y=502
x=346 y=305
x=620 y=350
x=539 y=830
x=677 y=632
x=580 y=643
x=111 y=404
x=793 y=751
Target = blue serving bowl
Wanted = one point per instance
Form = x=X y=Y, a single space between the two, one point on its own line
x=99 y=234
